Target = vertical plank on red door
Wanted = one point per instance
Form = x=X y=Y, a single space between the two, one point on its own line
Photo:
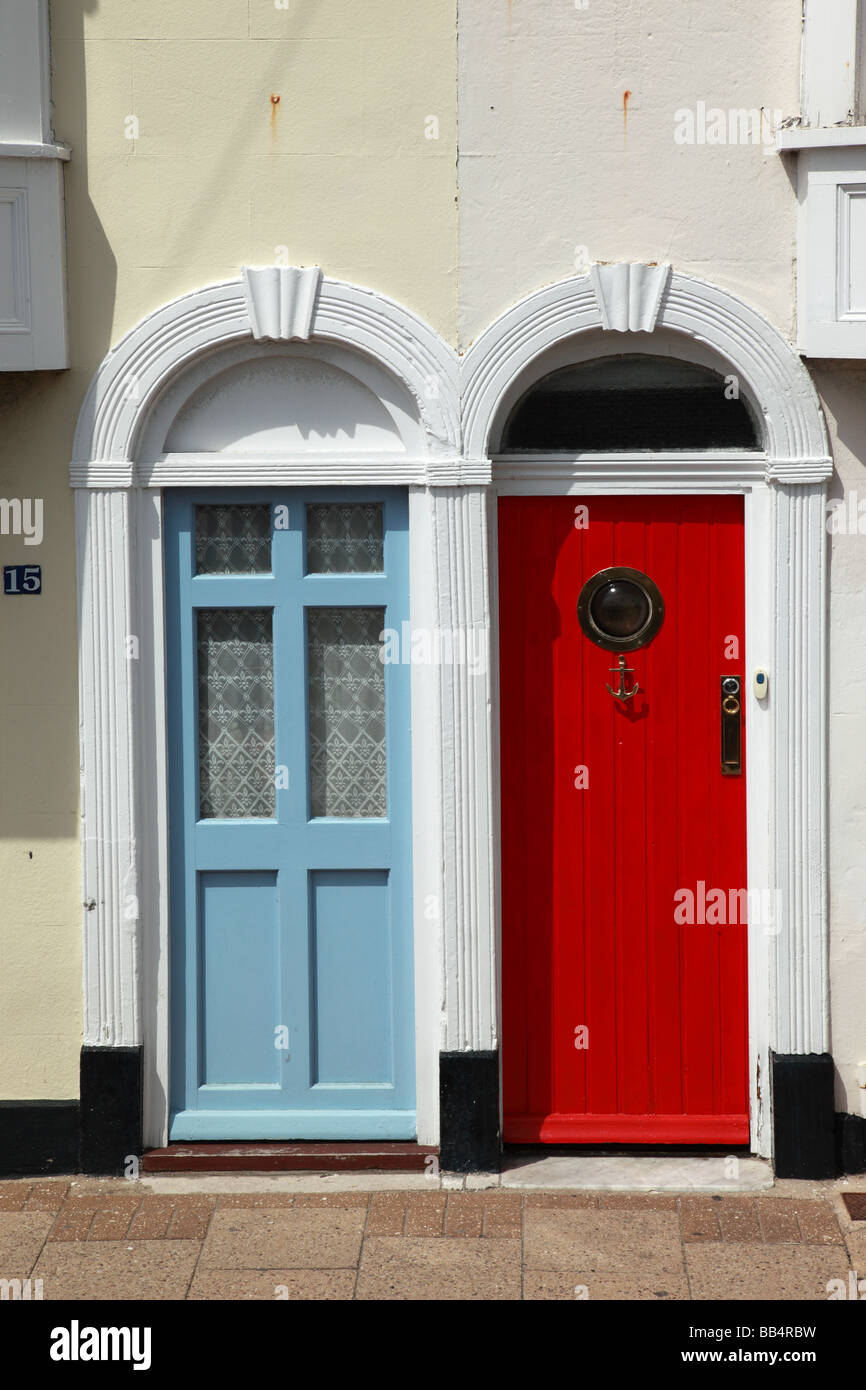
x=731 y=964
x=632 y=722
x=598 y=926
x=527 y=554
x=567 y=1050
x=663 y=850
x=694 y=642
x=534 y=848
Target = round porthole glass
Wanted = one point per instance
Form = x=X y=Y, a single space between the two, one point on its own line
x=620 y=609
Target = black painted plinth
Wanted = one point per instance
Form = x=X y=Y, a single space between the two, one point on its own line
x=111 y=1108
x=38 y=1137
x=804 y=1120
x=851 y=1143
x=469 y=1139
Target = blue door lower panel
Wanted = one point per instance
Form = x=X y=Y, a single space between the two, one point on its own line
x=351 y=980
x=239 y=1003
x=291 y=935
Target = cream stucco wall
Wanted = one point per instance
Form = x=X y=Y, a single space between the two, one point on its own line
x=40 y=913
x=345 y=170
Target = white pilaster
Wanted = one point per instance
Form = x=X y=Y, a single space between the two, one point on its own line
x=108 y=661
x=469 y=984
x=799 y=810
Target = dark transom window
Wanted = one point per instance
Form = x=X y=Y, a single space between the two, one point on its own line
x=631 y=402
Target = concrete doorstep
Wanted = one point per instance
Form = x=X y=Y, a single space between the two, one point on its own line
x=643 y=1173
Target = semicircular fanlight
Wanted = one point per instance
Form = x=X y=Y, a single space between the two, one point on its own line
x=627 y=403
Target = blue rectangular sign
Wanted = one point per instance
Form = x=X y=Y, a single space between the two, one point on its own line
x=22 y=579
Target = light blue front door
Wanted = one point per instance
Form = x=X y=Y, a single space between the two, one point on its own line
x=289 y=747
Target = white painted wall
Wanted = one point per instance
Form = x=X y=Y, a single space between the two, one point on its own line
x=550 y=161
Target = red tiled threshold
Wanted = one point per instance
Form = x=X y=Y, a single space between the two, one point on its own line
x=387 y=1157
x=856 y=1204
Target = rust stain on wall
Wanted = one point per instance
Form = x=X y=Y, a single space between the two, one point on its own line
x=625 y=99
x=275 y=101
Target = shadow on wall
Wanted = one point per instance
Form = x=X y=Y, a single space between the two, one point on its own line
x=92 y=289
x=253 y=114
x=39 y=751
x=91 y=266
x=842 y=388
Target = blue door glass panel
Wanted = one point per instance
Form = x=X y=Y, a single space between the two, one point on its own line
x=291 y=931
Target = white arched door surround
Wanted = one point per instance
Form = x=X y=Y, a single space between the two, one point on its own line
x=151 y=421
x=201 y=394
x=641 y=308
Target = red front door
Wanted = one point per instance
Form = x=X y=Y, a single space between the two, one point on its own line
x=623 y=836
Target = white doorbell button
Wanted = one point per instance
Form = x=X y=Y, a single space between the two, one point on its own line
x=761 y=683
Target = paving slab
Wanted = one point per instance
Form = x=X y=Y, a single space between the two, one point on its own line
x=425 y=1214
x=112 y=1221
x=146 y=1269
x=645 y=1173
x=503 y=1215
x=283 y=1238
x=817 y=1221
x=387 y=1215
x=47 y=1195
x=465 y=1215
x=407 y=1268
x=738 y=1218
x=272 y=1285
x=765 y=1272
x=778 y=1221
x=632 y=1243
x=14 y=1194
x=856 y=1242
x=582 y=1286
x=22 y=1234
x=699 y=1219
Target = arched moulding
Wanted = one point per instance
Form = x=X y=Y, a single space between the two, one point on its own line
x=610 y=301
x=267 y=305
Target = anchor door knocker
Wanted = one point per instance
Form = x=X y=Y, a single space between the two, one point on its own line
x=622 y=693
x=620 y=609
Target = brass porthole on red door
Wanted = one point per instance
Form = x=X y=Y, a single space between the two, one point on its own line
x=620 y=609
